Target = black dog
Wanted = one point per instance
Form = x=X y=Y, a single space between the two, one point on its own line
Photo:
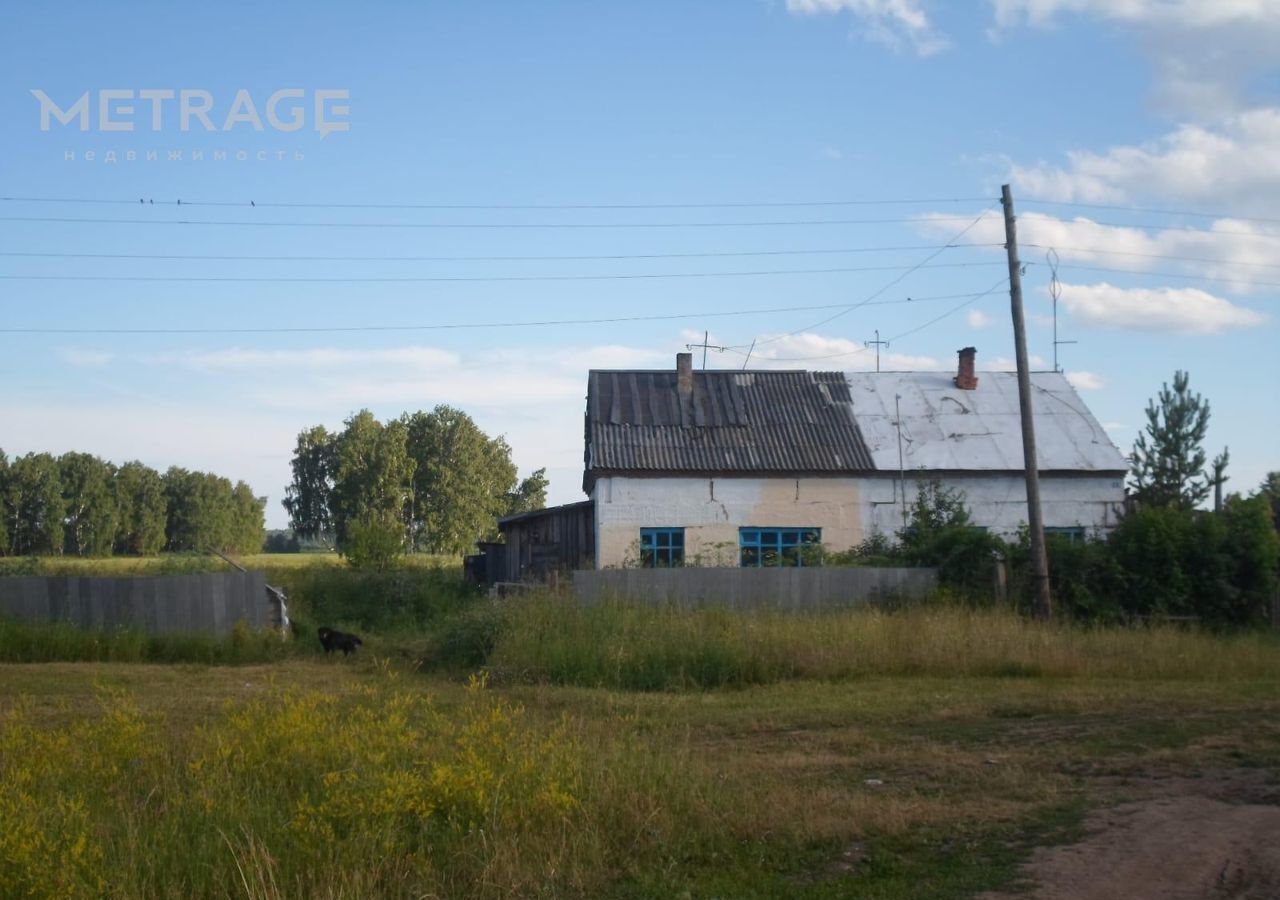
x=338 y=640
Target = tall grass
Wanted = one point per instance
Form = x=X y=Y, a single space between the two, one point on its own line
x=646 y=647
x=27 y=642
x=292 y=796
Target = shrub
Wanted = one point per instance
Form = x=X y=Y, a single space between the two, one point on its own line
x=405 y=597
x=374 y=542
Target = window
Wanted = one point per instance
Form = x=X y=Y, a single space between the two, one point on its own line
x=661 y=548
x=780 y=546
x=1074 y=535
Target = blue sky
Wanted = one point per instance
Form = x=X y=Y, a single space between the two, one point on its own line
x=1139 y=105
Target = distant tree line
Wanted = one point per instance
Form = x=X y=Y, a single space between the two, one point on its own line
x=426 y=481
x=80 y=505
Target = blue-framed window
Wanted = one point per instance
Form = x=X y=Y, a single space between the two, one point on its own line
x=1074 y=534
x=661 y=548
x=767 y=547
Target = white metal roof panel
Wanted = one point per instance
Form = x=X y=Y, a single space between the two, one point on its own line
x=945 y=428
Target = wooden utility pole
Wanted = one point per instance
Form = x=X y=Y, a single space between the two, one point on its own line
x=1039 y=558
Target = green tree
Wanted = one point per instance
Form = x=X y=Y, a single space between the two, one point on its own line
x=140 y=509
x=90 y=504
x=529 y=495
x=308 y=497
x=372 y=485
x=200 y=512
x=1168 y=458
x=462 y=481
x=1253 y=548
x=1270 y=491
x=34 y=505
x=4 y=492
x=1150 y=546
x=938 y=534
x=249 y=526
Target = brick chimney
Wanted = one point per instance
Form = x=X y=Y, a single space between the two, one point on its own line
x=684 y=373
x=965 y=379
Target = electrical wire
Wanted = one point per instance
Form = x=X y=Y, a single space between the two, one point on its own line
x=1203 y=259
x=321 y=329
x=785 y=223
x=542 y=258
x=973 y=298
x=485 y=278
x=920 y=265
x=764 y=204
x=1183 y=275
x=1149 y=211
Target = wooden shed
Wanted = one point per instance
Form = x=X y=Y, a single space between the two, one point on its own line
x=536 y=544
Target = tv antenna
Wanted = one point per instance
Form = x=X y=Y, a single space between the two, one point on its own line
x=705 y=347
x=877 y=343
x=1055 y=290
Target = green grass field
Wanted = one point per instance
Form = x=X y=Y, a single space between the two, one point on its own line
x=922 y=754
x=170 y=564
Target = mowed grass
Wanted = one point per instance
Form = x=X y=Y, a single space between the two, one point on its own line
x=921 y=754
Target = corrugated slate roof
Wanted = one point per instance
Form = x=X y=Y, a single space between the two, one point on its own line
x=831 y=422
x=731 y=422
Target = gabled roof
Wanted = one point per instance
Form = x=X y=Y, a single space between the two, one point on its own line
x=731 y=423
x=947 y=429
x=790 y=423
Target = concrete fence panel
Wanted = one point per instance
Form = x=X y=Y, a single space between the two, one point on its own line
x=798 y=589
x=211 y=603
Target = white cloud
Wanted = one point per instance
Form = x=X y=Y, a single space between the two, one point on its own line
x=830 y=152
x=1009 y=364
x=1085 y=381
x=1180 y=310
x=1183 y=13
x=1234 y=164
x=893 y=23
x=1205 y=52
x=76 y=356
x=1224 y=249
x=978 y=319
x=821 y=353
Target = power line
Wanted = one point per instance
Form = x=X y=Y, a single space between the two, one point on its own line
x=973 y=298
x=540 y=258
x=751 y=204
x=1203 y=259
x=485 y=278
x=1183 y=275
x=763 y=204
x=479 y=225
x=920 y=265
x=951 y=312
x=467 y=325
x=1147 y=225
x=1156 y=212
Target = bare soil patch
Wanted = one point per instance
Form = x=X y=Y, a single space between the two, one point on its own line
x=1214 y=838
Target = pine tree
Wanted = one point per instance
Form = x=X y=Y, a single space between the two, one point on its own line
x=1168 y=458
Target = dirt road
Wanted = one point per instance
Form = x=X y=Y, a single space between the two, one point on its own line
x=1211 y=839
